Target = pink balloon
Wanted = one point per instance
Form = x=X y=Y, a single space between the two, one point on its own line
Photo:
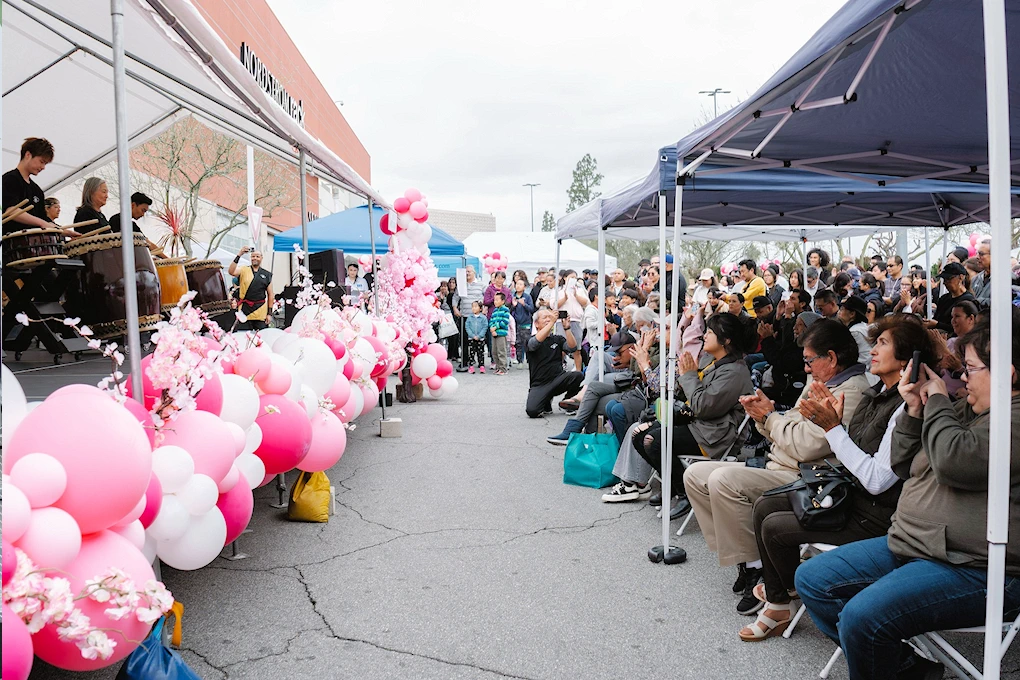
x=17 y=643
x=99 y=552
x=277 y=382
x=338 y=347
x=444 y=369
x=438 y=351
x=206 y=438
x=144 y=419
x=40 y=477
x=423 y=218
x=265 y=480
x=237 y=506
x=252 y=363
x=105 y=453
x=348 y=411
x=52 y=540
x=153 y=502
x=286 y=433
x=10 y=562
x=340 y=392
x=401 y=205
x=329 y=439
x=415 y=380
x=371 y=397
x=434 y=382
x=417 y=210
x=349 y=370
x=356 y=369
x=210 y=398
x=412 y=195
x=229 y=480
x=495 y=256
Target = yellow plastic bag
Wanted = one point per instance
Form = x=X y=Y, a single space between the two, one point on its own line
x=309 y=499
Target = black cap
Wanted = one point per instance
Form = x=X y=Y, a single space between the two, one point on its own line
x=622 y=338
x=760 y=301
x=952 y=269
x=856 y=304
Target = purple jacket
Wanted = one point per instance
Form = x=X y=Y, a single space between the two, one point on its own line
x=489 y=297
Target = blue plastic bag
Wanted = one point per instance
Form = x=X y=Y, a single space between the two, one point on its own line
x=153 y=661
x=589 y=460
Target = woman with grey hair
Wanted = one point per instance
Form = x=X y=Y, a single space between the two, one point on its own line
x=93 y=197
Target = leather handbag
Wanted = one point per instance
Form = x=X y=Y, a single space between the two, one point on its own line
x=822 y=499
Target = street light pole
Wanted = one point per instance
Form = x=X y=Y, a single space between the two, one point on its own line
x=532 y=186
x=714 y=94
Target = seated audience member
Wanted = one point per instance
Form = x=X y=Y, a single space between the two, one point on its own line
x=930 y=572
x=841 y=286
x=545 y=365
x=868 y=287
x=716 y=302
x=712 y=388
x=876 y=310
x=854 y=315
x=735 y=305
x=863 y=447
x=723 y=493
x=800 y=301
x=782 y=351
x=796 y=280
x=826 y=303
x=774 y=289
x=630 y=296
x=706 y=281
x=956 y=279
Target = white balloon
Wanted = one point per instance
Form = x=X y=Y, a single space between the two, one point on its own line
x=424 y=365
x=149 y=548
x=450 y=385
x=267 y=335
x=425 y=250
x=133 y=532
x=173 y=467
x=405 y=221
x=201 y=542
x=362 y=323
x=199 y=495
x=363 y=352
x=323 y=317
x=430 y=336
x=404 y=241
x=253 y=438
x=425 y=235
x=13 y=402
x=172 y=520
x=17 y=511
x=316 y=361
x=357 y=402
x=309 y=400
x=252 y=469
x=285 y=341
x=240 y=401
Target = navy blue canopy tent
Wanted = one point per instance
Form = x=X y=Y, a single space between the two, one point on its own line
x=348 y=231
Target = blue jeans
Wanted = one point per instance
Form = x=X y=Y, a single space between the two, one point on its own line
x=618 y=417
x=868 y=601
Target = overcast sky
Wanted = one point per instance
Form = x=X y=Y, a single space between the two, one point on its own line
x=469 y=100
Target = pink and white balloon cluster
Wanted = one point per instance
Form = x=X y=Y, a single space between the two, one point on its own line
x=494 y=262
x=76 y=469
x=434 y=369
x=410 y=229
x=975 y=238
x=728 y=268
x=768 y=263
x=406 y=287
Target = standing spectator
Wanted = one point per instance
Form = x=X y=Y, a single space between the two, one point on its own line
x=820 y=260
x=754 y=285
x=616 y=287
x=869 y=287
x=774 y=289
x=539 y=283
x=499 y=326
x=893 y=274
x=681 y=284
x=476 y=326
x=572 y=299
x=954 y=277
x=453 y=300
x=796 y=280
x=473 y=292
x=854 y=315
x=827 y=303
x=545 y=365
x=522 y=309
x=813 y=284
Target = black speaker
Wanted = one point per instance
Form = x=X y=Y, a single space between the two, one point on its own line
x=327 y=266
x=289 y=310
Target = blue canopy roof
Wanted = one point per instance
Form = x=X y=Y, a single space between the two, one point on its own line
x=348 y=231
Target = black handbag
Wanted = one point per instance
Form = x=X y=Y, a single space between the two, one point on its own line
x=807 y=496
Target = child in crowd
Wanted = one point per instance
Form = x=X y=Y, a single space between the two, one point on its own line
x=475 y=326
x=522 y=307
x=499 y=326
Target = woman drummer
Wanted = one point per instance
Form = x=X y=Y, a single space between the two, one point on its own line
x=93 y=197
x=52 y=208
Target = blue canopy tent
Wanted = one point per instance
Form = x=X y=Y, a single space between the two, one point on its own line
x=347 y=231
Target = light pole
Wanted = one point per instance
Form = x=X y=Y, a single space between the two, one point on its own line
x=532 y=186
x=714 y=94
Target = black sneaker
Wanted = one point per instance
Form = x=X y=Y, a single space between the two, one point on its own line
x=682 y=507
x=738 y=585
x=749 y=604
x=655 y=499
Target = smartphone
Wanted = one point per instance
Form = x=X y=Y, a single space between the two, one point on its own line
x=563 y=314
x=915 y=367
x=786 y=295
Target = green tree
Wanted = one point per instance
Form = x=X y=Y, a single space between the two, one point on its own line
x=587 y=180
x=548 y=221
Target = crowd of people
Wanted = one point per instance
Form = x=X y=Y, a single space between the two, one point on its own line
x=781 y=374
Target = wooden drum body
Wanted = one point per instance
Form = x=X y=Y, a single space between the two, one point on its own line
x=31 y=247
x=205 y=277
x=102 y=304
x=173 y=282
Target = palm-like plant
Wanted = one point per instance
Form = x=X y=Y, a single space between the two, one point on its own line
x=176 y=235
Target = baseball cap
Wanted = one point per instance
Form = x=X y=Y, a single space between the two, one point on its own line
x=706 y=275
x=809 y=318
x=621 y=338
x=669 y=259
x=542 y=270
x=952 y=269
x=760 y=301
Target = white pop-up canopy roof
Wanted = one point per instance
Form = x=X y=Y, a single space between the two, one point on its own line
x=58 y=84
x=529 y=251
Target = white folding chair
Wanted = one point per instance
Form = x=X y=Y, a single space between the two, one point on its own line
x=939 y=648
x=820 y=547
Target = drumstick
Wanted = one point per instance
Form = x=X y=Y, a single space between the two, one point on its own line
x=17 y=212
x=85 y=223
x=16 y=207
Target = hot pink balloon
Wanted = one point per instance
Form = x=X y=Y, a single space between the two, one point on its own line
x=10 y=559
x=438 y=351
x=380 y=349
x=237 y=506
x=98 y=553
x=105 y=453
x=144 y=419
x=338 y=347
x=349 y=370
x=412 y=195
x=423 y=218
x=153 y=502
x=340 y=392
x=17 y=642
x=208 y=440
x=495 y=256
x=252 y=363
x=401 y=205
x=265 y=480
x=444 y=369
x=384 y=225
x=286 y=433
x=356 y=369
x=329 y=439
x=210 y=398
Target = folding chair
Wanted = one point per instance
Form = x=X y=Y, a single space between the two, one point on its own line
x=939 y=649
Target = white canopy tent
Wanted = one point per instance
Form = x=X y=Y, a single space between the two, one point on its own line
x=530 y=251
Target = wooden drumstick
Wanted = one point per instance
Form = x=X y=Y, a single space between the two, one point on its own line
x=84 y=223
x=101 y=230
x=16 y=212
x=24 y=202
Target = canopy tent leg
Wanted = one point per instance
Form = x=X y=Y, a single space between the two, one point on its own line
x=997 y=94
x=945 y=252
x=665 y=552
x=302 y=172
x=556 y=280
x=375 y=290
x=927 y=273
x=601 y=339
x=803 y=271
x=134 y=342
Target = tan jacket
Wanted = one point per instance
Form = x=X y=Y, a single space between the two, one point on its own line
x=795 y=439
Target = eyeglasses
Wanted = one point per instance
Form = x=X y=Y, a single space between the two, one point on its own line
x=808 y=362
x=971 y=370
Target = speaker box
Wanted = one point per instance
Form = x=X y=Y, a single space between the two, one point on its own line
x=327 y=266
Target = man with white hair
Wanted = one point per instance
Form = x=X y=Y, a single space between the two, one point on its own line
x=256 y=289
x=545 y=365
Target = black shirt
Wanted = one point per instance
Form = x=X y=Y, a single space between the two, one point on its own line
x=87 y=212
x=545 y=359
x=260 y=281
x=115 y=225
x=944 y=310
x=15 y=190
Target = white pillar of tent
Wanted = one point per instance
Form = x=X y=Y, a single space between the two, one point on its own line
x=555 y=302
x=927 y=273
x=375 y=290
x=302 y=170
x=601 y=339
x=134 y=342
x=803 y=271
x=945 y=254
x=674 y=350
x=997 y=96
x=664 y=407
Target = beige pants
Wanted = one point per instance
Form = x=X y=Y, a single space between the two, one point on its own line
x=722 y=495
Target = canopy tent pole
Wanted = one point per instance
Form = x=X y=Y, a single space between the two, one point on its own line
x=997 y=95
x=803 y=272
x=903 y=245
x=302 y=170
x=945 y=252
x=134 y=342
x=601 y=339
x=555 y=302
x=375 y=289
x=927 y=273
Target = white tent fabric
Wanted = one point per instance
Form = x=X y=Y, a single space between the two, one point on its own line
x=60 y=51
x=529 y=251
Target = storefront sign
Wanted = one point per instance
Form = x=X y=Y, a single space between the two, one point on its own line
x=268 y=82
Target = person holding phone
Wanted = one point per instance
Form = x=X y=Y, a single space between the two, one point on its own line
x=256 y=289
x=545 y=365
x=570 y=307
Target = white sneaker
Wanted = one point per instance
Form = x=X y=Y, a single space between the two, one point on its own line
x=626 y=491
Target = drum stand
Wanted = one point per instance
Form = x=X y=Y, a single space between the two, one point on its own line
x=39 y=298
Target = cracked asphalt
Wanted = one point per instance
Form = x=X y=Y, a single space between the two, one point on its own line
x=457 y=552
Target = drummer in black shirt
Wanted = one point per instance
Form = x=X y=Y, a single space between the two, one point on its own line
x=139 y=206
x=18 y=185
x=93 y=197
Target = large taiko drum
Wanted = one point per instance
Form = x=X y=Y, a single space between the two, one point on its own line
x=173 y=282
x=29 y=248
x=102 y=304
x=205 y=277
